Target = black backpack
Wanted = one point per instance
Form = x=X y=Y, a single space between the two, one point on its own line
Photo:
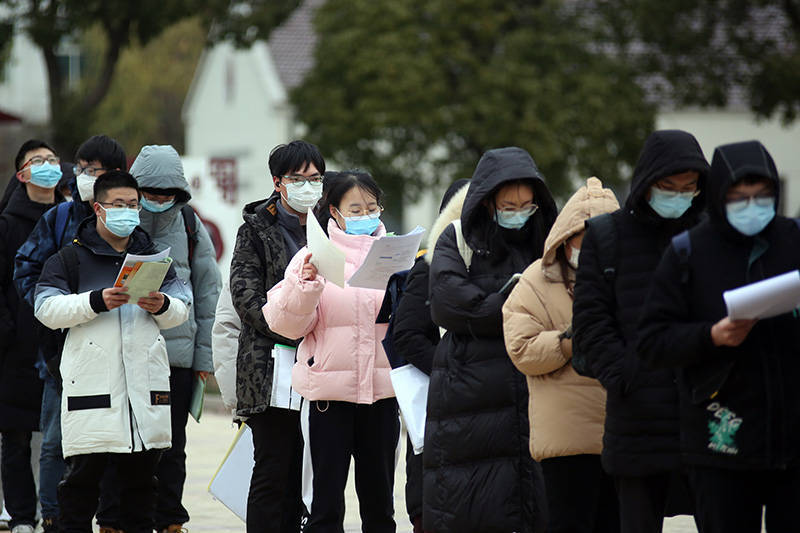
x=395 y=288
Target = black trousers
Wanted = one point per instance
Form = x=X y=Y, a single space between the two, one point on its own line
x=731 y=501
x=335 y=432
x=274 y=502
x=79 y=492
x=413 y=483
x=580 y=496
x=644 y=501
x=19 y=488
x=171 y=471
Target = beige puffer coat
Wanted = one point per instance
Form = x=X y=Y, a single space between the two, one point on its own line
x=566 y=411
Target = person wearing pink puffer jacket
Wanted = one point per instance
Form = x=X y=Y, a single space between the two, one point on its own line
x=341 y=372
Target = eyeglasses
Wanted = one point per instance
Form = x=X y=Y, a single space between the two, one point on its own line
x=122 y=205
x=299 y=178
x=368 y=212
x=525 y=211
x=37 y=160
x=666 y=193
x=761 y=200
x=89 y=171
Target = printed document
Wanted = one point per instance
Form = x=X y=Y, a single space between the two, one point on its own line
x=387 y=255
x=143 y=274
x=765 y=299
x=325 y=255
x=283 y=395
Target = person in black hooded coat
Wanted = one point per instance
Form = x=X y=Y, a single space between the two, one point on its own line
x=478 y=475
x=640 y=442
x=740 y=414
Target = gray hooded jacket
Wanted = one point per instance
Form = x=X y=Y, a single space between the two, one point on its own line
x=188 y=345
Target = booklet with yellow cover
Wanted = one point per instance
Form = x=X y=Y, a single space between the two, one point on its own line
x=143 y=274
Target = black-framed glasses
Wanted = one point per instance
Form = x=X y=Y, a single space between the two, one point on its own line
x=89 y=171
x=37 y=160
x=122 y=205
x=299 y=178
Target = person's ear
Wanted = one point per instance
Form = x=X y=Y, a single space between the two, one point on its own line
x=97 y=209
x=277 y=182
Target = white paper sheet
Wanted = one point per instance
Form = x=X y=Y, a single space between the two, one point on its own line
x=387 y=255
x=283 y=395
x=325 y=255
x=411 y=388
x=764 y=299
x=231 y=483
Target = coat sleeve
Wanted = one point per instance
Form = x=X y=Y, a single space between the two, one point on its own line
x=31 y=256
x=7 y=320
x=458 y=304
x=225 y=346
x=291 y=308
x=414 y=331
x=667 y=338
x=531 y=340
x=180 y=299
x=248 y=292
x=597 y=335
x=206 y=284
x=55 y=306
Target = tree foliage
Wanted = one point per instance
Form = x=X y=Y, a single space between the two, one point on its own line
x=417 y=90
x=707 y=51
x=123 y=23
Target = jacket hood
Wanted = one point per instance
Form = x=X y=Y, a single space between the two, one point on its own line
x=160 y=167
x=731 y=163
x=20 y=205
x=496 y=167
x=450 y=212
x=667 y=152
x=86 y=235
x=589 y=201
x=262 y=213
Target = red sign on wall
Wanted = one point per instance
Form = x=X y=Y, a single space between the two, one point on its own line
x=223 y=170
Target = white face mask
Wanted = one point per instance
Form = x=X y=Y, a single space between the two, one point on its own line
x=302 y=196
x=85 y=187
x=574 y=253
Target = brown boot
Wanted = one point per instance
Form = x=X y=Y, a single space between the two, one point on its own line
x=104 y=529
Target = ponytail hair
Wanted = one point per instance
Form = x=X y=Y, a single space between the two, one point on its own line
x=336 y=184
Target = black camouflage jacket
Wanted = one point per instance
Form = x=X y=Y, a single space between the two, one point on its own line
x=259 y=260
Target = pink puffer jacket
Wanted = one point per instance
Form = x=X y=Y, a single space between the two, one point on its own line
x=341 y=356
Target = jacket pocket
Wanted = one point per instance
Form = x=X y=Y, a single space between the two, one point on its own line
x=158 y=369
x=86 y=371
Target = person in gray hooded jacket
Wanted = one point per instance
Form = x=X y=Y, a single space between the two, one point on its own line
x=165 y=192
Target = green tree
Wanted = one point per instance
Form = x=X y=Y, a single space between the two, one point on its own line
x=121 y=24
x=702 y=49
x=417 y=90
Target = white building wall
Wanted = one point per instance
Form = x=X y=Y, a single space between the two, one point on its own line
x=24 y=88
x=713 y=128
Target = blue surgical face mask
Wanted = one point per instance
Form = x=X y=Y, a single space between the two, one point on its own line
x=362 y=225
x=45 y=175
x=156 y=207
x=751 y=219
x=670 y=204
x=121 y=221
x=513 y=219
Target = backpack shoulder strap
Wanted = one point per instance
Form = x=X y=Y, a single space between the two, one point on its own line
x=605 y=230
x=190 y=225
x=797 y=221
x=69 y=254
x=683 y=246
x=463 y=247
x=62 y=215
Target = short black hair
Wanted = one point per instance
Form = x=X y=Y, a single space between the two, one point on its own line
x=27 y=146
x=112 y=180
x=296 y=155
x=104 y=149
x=336 y=185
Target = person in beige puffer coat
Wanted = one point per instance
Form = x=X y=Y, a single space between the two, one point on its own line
x=566 y=411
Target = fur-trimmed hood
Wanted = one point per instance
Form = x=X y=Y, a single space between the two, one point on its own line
x=450 y=212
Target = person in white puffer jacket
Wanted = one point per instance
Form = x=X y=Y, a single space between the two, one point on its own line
x=114 y=365
x=225 y=346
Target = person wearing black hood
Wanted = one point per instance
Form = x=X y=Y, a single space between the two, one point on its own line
x=640 y=441
x=739 y=416
x=478 y=475
x=38 y=172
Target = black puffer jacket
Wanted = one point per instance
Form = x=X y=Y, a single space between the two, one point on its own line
x=20 y=386
x=641 y=428
x=478 y=473
x=739 y=406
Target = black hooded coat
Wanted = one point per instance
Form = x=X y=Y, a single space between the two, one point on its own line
x=739 y=406
x=641 y=427
x=478 y=473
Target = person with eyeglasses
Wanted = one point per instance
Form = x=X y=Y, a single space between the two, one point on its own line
x=619 y=254
x=38 y=171
x=342 y=372
x=272 y=233
x=55 y=229
x=115 y=368
x=739 y=410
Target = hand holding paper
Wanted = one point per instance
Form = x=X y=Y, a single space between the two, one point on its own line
x=387 y=255
x=328 y=259
x=764 y=299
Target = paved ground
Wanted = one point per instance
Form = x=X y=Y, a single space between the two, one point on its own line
x=207 y=444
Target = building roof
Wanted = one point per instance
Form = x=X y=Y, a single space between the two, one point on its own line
x=292 y=44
